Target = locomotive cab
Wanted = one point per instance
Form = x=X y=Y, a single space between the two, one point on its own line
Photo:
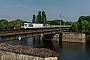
x=31 y=25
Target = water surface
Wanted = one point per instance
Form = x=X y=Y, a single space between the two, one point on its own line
x=66 y=50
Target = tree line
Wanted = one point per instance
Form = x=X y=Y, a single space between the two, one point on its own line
x=16 y=24
x=82 y=25
x=6 y=25
x=40 y=18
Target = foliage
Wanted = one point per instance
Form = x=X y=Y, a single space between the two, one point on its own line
x=88 y=37
x=82 y=25
x=68 y=23
x=40 y=18
x=5 y=25
x=33 y=20
x=55 y=22
x=81 y=18
x=75 y=26
x=44 y=18
x=88 y=29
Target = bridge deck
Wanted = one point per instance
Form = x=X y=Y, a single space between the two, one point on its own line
x=15 y=32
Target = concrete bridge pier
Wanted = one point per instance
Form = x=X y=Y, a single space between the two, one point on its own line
x=56 y=37
x=52 y=37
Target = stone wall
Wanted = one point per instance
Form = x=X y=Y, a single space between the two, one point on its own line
x=73 y=37
x=13 y=56
x=18 y=52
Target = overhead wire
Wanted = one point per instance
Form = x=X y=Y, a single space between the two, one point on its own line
x=6 y=15
x=16 y=6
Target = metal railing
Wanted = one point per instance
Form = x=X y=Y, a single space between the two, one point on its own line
x=48 y=26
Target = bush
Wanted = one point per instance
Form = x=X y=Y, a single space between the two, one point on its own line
x=88 y=37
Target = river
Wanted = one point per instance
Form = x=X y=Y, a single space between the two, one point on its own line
x=66 y=50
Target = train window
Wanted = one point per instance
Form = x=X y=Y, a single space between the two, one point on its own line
x=25 y=24
x=30 y=25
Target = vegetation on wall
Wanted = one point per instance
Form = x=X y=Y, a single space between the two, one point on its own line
x=82 y=25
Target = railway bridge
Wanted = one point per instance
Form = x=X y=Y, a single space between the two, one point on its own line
x=13 y=34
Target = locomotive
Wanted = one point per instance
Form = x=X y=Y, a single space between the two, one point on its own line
x=31 y=25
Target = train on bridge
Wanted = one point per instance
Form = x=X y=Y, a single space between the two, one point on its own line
x=36 y=26
x=31 y=25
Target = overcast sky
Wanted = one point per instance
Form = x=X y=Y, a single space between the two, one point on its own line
x=24 y=9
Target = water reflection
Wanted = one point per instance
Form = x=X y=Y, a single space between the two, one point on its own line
x=74 y=46
x=72 y=51
x=66 y=50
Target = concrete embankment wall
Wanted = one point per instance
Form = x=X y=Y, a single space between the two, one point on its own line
x=73 y=37
x=13 y=56
x=18 y=52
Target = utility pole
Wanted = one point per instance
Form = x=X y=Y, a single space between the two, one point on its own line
x=60 y=22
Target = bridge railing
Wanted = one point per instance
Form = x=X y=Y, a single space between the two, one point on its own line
x=49 y=26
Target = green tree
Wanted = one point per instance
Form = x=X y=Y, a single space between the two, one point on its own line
x=33 y=20
x=10 y=26
x=17 y=23
x=88 y=32
x=81 y=18
x=88 y=29
x=3 y=24
x=62 y=22
x=84 y=18
x=68 y=23
x=39 y=19
x=88 y=18
x=75 y=26
x=55 y=22
x=44 y=18
x=83 y=25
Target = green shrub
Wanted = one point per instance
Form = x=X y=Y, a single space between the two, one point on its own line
x=88 y=37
